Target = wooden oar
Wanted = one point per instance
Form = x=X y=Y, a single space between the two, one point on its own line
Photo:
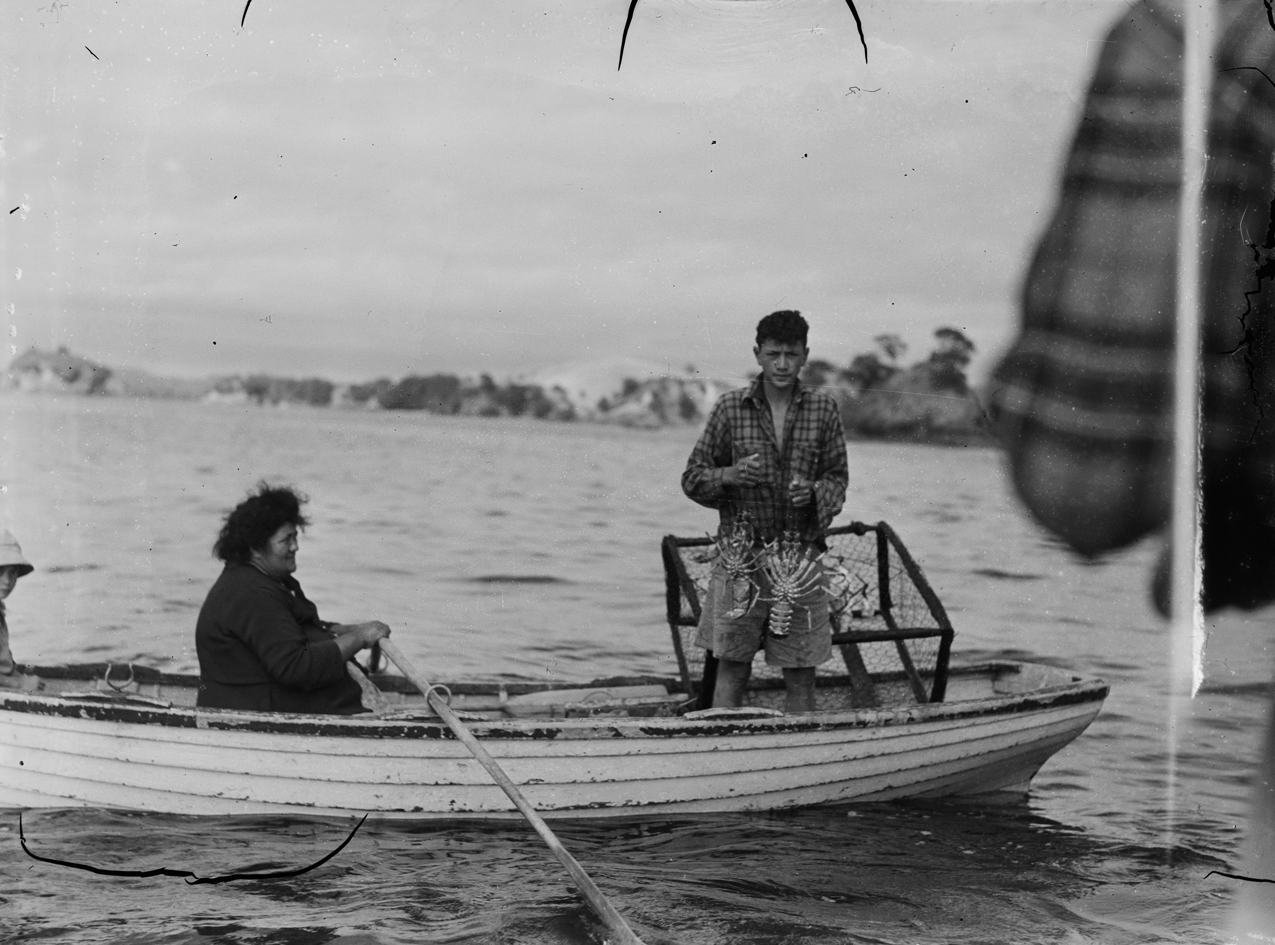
x=592 y=894
x=373 y=698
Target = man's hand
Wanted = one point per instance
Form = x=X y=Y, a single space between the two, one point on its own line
x=801 y=491
x=746 y=472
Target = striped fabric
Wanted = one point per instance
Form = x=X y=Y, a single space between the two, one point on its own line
x=1084 y=398
x=814 y=448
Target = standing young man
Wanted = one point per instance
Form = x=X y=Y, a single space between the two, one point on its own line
x=773 y=455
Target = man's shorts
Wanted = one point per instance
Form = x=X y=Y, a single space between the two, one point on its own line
x=808 y=643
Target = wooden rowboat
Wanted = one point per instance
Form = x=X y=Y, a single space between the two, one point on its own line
x=131 y=737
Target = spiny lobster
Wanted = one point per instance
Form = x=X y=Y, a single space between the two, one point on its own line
x=793 y=570
x=738 y=560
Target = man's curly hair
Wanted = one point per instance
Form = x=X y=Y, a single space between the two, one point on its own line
x=252 y=523
x=786 y=327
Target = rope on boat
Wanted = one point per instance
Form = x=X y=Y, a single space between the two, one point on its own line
x=437 y=688
x=120 y=687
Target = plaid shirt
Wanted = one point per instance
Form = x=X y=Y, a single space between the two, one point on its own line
x=1084 y=398
x=814 y=448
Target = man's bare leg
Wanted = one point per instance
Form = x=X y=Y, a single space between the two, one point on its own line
x=800 y=689
x=732 y=680
x=799 y=684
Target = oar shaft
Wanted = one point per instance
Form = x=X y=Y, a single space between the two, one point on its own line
x=592 y=894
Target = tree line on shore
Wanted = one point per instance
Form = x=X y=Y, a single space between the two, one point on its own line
x=929 y=399
x=879 y=395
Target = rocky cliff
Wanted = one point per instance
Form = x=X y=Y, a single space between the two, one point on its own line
x=36 y=371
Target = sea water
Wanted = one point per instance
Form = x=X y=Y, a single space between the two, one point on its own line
x=531 y=549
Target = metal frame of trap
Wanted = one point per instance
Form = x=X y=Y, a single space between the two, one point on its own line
x=680 y=587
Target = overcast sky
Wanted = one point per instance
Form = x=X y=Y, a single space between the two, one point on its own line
x=360 y=189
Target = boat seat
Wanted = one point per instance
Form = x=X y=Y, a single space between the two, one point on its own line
x=591 y=701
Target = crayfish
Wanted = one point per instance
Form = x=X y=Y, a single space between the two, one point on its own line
x=739 y=560
x=793 y=572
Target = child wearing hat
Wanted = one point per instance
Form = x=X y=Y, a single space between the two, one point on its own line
x=12 y=566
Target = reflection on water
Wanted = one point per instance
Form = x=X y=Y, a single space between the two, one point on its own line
x=931 y=872
x=512 y=548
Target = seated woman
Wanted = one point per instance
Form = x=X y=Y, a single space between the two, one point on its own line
x=261 y=644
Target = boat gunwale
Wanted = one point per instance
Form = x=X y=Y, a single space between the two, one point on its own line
x=1079 y=689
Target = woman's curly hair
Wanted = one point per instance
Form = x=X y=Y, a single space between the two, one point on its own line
x=252 y=523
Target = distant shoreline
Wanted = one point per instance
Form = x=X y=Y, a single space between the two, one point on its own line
x=928 y=403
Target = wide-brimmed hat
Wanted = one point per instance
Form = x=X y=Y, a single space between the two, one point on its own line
x=11 y=554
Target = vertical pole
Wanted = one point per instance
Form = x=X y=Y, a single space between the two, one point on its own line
x=1187 y=619
x=887 y=614
x=672 y=556
x=883 y=571
x=1187 y=622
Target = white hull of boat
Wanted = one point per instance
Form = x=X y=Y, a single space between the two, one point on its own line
x=998 y=726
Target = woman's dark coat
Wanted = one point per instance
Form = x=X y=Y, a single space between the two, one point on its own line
x=262 y=647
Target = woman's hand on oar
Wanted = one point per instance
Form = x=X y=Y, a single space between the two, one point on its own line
x=592 y=894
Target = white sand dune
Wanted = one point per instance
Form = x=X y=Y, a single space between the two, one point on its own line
x=586 y=382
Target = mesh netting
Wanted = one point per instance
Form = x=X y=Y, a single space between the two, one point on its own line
x=901 y=670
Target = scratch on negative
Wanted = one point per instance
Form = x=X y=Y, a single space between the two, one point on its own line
x=1263 y=269
x=191 y=878
x=628 y=21
x=1240 y=876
